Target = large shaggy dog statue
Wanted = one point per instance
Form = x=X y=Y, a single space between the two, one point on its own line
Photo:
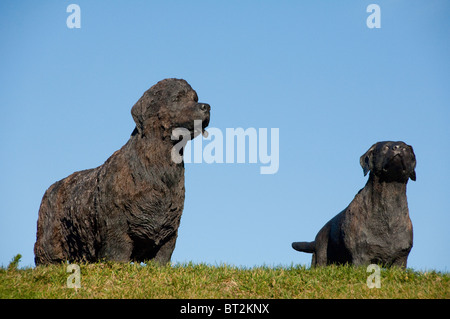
x=129 y=208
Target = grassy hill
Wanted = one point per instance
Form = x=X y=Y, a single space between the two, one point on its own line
x=117 y=280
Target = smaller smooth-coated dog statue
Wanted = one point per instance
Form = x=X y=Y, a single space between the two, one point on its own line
x=375 y=228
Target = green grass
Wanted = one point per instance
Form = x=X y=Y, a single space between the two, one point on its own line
x=119 y=280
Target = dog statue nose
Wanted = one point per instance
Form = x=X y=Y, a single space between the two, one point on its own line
x=205 y=107
x=397 y=149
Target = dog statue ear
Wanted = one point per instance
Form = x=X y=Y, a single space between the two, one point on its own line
x=413 y=173
x=366 y=160
x=137 y=113
x=145 y=108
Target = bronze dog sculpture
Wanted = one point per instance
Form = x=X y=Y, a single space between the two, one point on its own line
x=375 y=227
x=129 y=208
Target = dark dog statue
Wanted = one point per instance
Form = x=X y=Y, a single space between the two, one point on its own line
x=129 y=208
x=375 y=227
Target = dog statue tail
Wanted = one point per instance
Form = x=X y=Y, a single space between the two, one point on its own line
x=305 y=246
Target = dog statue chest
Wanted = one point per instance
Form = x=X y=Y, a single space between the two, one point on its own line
x=381 y=227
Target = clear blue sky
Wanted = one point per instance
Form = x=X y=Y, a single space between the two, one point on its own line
x=313 y=69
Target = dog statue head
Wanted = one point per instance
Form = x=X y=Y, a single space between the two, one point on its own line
x=169 y=104
x=391 y=161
